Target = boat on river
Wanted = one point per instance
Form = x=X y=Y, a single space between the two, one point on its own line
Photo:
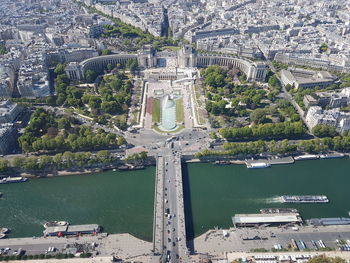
x=304 y=199
x=258 y=165
x=130 y=167
x=278 y=210
x=2 y=235
x=4 y=230
x=332 y=156
x=222 y=162
x=9 y=180
x=306 y=157
x=55 y=223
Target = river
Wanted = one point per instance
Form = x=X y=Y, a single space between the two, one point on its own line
x=122 y=202
x=215 y=193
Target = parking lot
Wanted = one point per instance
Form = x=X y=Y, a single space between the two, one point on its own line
x=246 y=239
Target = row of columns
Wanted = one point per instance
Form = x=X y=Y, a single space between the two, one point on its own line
x=260 y=74
x=167 y=77
x=99 y=65
x=207 y=61
x=73 y=74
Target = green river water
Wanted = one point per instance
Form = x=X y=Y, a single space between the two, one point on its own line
x=123 y=202
x=216 y=193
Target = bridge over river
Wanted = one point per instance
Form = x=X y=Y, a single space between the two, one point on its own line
x=169 y=233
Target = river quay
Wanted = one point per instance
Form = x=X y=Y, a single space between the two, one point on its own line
x=124 y=246
x=249 y=256
x=227 y=244
x=220 y=242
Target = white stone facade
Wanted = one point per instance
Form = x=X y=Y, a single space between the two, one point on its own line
x=334 y=117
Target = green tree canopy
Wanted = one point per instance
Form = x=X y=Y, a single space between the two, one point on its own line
x=106 y=52
x=59 y=69
x=90 y=76
x=324 y=131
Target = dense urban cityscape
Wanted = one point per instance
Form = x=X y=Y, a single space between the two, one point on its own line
x=174 y=131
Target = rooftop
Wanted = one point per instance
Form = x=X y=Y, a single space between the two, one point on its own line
x=266 y=218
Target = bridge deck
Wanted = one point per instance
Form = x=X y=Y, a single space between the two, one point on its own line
x=169 y=237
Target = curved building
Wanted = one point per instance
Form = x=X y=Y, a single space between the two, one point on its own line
x=98 y=64
x=146 y=58
x=186 y=56
x=75 y=71
x=255 y=71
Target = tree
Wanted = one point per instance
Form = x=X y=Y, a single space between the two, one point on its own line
x=263 y=131
x=273 y=81
x=324 y=131
x=63 y=123
x=94 y=102
x=2 y=49
x=106 y=52
x=90 y=76
x=110 y=107
x=121 y=124
x=103 y=156
x=323 y=48
x=132 y=65
x=121 y=140
x=3 y=165
x=31 y=163
x=258 y=116
x=18 y=162
x=44 y=162
x=61 y=98
x=288 y=87
x=214 y=80
x=62 y=79
x=213 y=135
x=68 y=158
x=109 y=67
x=60 y=69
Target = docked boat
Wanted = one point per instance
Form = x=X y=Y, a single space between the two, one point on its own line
x=137 y=167
x=332 y=156
x=2 y=236
x=222 y=162
x=0 y=194
x=9 y=180
x=258 y=165
x=123 y=167
x=304 y=199
x=278 y=210
x=4 y=230
x=55 y=223
x=130 y=167
x=306 y=157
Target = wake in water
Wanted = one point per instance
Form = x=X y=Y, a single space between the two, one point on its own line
x=22 y=217
x=272 y=200
x=269 y=200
